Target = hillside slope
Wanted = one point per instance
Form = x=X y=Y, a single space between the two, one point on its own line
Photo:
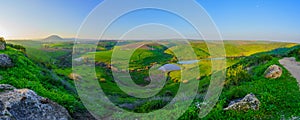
x=26 y=74
x=279 y=97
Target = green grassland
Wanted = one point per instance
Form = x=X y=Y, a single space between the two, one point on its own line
x=279 y=98
x=275 y=95
x=36 y=51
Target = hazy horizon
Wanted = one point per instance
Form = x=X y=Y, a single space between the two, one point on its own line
x=236 y=20
x=69 y=38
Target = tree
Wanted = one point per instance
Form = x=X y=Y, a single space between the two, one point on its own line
x=2 y=44
x=2 y=39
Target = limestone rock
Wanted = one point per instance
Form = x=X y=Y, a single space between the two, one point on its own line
x=6 y=87
x=273 y=72
x=25 y=104
x=5 y=61
x=248 y=102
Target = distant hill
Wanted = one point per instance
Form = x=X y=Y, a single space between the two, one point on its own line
x=53 y=37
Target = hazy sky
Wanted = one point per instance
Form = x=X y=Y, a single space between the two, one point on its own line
x=236 y=19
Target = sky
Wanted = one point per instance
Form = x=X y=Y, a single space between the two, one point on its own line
x=235 y=19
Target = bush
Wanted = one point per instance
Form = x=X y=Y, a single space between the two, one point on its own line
x=258 y=59
x=235 y=75
x=295 y=53
x=151 y=106
x=235 y=93
x=18 y=47
x=2 y=39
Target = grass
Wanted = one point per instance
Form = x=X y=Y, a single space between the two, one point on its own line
x=26 y=74
x=279 y=98
x=236 y=48
x=35 y=50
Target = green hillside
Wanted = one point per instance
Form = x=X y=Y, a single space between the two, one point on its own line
x=27 y=74
x=279 y=97
x=246 y=62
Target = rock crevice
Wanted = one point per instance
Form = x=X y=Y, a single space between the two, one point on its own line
x=250 y=101
x=25 y=104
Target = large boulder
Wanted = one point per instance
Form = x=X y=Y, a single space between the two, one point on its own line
x=2 y=44
x=250 y=101
x=273 y=72
x=5 y=61
x=25 y=104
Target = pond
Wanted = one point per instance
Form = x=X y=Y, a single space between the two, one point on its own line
x=196 y=61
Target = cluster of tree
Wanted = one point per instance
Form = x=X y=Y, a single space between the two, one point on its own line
x=295 y=52
x=18 y=47
x=107 y=44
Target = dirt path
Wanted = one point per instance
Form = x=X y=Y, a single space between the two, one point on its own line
x=292 y=66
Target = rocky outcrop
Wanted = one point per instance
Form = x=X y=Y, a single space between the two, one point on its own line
x=273 y=72
x=5 y=61
x=248 y=102
x=25 y=104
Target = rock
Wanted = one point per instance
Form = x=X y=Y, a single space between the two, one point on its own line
x=114 y=69
x=128 y=106
x=80 y=59
x=168 y=93
x=273 y=72
x=5 y=61
x=5 y=118
x=147 y=79
x=2 y=44
x=6 y=87
x=74 y=76
x=25 y=104
x=248 y=102
x=102 y=80
x=1 y=108
x=185 y=81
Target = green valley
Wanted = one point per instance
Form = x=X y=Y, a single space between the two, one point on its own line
x=46 y=67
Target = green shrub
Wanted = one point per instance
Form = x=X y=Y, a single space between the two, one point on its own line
x=235 y=75
x=235 y=93
x=18 y=47
x=151 y=105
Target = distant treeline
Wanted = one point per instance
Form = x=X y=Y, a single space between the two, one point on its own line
x=18 y=47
